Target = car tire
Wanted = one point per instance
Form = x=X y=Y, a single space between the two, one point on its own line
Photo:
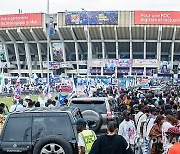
x=91 y=115
x=52 y=144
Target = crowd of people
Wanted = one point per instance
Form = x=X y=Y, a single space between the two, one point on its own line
x=150 y=122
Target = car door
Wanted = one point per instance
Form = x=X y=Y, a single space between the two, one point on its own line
x=16 y=134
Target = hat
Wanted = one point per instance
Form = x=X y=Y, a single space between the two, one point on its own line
x=168 y=112
x=174 y=130
x=20 y=100
x=27 y=97
x=81 y=122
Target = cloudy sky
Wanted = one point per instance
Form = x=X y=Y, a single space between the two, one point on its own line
x=29 y=6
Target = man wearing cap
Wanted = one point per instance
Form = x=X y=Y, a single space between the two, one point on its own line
x=27 y=100
x=85 y=137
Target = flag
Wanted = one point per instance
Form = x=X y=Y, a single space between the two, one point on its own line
x=42 y=102
x=17 y=90
x=34 y=78
x=61 y=98
x=46 y=92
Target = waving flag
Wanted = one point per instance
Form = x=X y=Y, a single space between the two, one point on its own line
x=17 y=90
x=46 y=92
x=61 y=98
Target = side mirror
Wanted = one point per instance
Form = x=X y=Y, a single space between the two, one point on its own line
x=91 y=124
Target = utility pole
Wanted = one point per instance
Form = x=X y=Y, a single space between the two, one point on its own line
x=48 y=44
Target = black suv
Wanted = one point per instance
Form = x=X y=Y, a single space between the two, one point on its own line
x=41 y=131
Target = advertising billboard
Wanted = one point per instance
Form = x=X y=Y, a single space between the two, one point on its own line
x=156 y=18
x=21 y=20
x=92 y=18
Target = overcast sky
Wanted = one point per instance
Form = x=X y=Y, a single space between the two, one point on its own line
x=29 y=6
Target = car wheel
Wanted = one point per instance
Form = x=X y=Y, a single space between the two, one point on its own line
x=91 y=115
x=52 y=145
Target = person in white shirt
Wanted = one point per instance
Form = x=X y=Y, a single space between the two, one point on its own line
x=127 y=129
x=168 y=122
x=17 y=106
x=140 y=118
x=146 y=130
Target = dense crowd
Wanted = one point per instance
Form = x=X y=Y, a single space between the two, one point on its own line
x=149 y=121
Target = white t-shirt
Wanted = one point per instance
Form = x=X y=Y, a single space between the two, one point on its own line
x=139 y=118
x=165 y=126
x=16 y=107
x=128 y=131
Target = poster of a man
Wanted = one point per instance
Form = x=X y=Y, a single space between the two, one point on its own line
x=165 y=67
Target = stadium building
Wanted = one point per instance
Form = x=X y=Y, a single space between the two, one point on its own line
x=95 y=42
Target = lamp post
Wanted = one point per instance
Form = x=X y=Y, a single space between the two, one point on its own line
x=88 y=43
x=48 y=44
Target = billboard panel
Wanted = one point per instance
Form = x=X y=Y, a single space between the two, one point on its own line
x=21 y=20
x=145 y=63
x=57 y=51
x=92 y=18
x=157 y=18
x=165 y=68
x=111 y=63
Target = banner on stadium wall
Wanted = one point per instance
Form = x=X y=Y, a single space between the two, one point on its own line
x=4 y=65
x=83 y=62
x=96 y=63
x=157 y=17
x=92 y=18
x=145 y=63
x=57 y=51
x=66 y=64
x=111 y=63
x=52 y=65
x=21 y=20
x=124 y=62
x=165 y=68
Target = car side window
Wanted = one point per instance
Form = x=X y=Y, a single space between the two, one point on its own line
x=51 y=124
x=18 y=130
x=111 y=105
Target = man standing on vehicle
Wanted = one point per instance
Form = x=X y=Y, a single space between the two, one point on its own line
x=85 y=137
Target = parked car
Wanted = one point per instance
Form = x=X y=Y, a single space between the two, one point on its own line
x=97 y=109
x=41 y=131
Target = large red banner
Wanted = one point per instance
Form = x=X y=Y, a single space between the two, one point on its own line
x=20 y=20
x=157 y=17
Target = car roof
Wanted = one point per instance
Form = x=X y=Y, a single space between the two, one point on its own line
x=91 y=98
x=49 y=110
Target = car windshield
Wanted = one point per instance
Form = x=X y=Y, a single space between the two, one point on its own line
x=96 y=105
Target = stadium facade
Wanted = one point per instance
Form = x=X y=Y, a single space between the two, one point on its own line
x=95 y=42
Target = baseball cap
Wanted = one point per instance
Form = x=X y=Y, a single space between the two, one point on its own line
x=27 y=97
x=81 y=122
